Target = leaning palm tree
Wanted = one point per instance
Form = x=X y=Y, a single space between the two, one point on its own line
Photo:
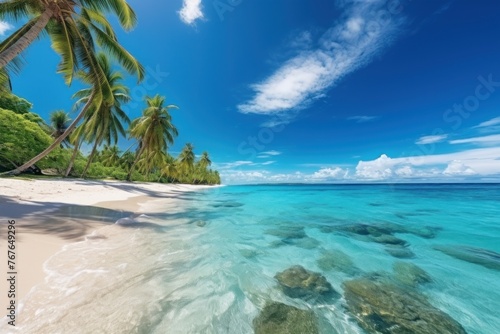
x=59 y=120
x=75 y=27
x=154 y=130
x=58 y=15
x=105 y=123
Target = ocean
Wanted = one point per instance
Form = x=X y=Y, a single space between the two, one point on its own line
x=260 y=258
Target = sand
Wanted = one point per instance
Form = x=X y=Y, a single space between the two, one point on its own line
x=51 y=213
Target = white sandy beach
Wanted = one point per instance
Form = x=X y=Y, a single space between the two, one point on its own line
x=52 y=213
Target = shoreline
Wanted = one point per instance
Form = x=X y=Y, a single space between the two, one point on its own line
x=50 y=214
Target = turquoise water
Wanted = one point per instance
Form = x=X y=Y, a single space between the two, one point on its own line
x=209 y=266
x=245 y=258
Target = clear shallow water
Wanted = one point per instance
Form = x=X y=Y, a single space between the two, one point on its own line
x=174 y=276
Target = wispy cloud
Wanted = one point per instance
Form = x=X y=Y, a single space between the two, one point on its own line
x=267 y=163
x=4 y=27
x=191 y=11
x=492 y=139
x=234 y=164
x=431 y=139
x=491 y=122
x=272 y=152
x=352 y=43
x=362 y=119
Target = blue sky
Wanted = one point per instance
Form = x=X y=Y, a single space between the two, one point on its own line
x=315 y=91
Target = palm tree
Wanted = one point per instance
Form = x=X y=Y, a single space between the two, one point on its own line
x=60 y=16
x=104 y=124
x=186 y=159
x=154 y=130
x=75 y=27
x=59 y=123
x=204 y=161
x=170 y=168
x=110 y=155
x=127 y=160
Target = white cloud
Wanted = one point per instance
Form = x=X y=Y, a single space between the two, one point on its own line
x=4 y=27
x=431 y=139
x=329 y=173
x=234 y=164
x=267 y=163
x=491 y=122
x=481 y=162
x=272 y=152
x=457 y=168
x=378 y=169
x=405 y=171
x=492 y=139
x=350 y=44
x=191 y=11
x=335 y=174
x=362 y=119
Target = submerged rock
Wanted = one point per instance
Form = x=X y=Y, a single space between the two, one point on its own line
x=201 y=223
x=389 y=239
x=227 y=205
x=287 y=232
x=337 y=260
x=480 y=256
x=378 y=234
x=297 y=282
x=410 y=274
x=306 y=243
x=248 y=253
x=400 y=252
x=381 y=307
x=279 y=318
x=277 y=244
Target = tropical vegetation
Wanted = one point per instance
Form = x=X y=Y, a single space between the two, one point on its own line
x=86 y=42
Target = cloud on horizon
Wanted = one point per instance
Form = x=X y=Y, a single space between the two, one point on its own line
x=349 y=45
x=473 y=164
x=191 y=11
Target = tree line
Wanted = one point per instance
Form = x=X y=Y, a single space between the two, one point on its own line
x=88 y=47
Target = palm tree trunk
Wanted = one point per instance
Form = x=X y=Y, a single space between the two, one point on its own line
x=91 y=156
x=129 y=175
x=73 y=157
x=56 y=143
x=22 y=43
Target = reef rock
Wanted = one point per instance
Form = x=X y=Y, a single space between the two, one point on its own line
x=337 y=260
x=278 y=318
x=287 y=232
x=378 y=234
x=297 y=282
x=381 y=307
x=400 y=252
x=410 y=274
x=483 y=257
